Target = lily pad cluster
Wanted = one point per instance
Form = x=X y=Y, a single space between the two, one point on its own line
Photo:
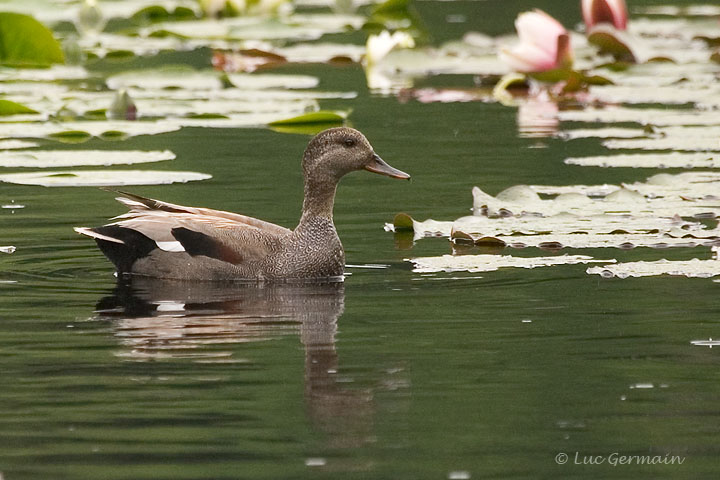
x=70 y=86
x=655 y=108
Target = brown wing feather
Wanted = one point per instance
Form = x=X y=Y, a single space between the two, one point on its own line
x=137 y=203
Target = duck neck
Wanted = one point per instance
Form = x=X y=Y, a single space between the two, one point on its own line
x=319 y=201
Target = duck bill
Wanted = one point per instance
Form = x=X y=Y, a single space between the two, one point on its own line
x=378 y=165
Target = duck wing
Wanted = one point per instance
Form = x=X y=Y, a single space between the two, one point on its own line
x=137 y=203
x=156 y=233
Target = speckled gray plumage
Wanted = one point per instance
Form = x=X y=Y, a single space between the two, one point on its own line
x=159 y=239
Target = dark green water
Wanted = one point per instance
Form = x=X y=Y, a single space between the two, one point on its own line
x=393 y=374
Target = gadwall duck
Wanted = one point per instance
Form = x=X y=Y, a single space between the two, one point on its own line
x=159 y=239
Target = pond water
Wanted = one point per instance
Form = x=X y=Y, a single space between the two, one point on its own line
x=393 y=374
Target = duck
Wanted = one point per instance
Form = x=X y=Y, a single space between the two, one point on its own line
x=169 y=241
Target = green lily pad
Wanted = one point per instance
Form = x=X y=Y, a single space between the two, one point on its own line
x=403 y=222
x=325 y=117
x=25 y=42
x=71 y=136
x=613 y=41
x=8 y=107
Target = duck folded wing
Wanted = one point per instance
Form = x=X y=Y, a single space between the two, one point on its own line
x=137 y=204
x=173 y=235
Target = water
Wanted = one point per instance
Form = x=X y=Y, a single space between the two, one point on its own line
x=393 y=374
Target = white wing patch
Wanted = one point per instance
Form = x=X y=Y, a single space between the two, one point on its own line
x=170 y=246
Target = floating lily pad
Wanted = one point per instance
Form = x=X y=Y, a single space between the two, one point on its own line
x=643 y=116
x=489 y=263
x=72 y=158
x=610 y=132
x=560 y=224
x=615 y=42
x=683 y=268
x=209 y=32
x=8 y=107
x=56 y=72
x=669 y=95
x=16 y=144
x=84 y=129
x=674 y=196
x=623 y=241
x=167 y=77
x=114 y=45
x=100 y=178
x=25 y=42
x=324 y=117
x=8 y=249
x=262 y=82
x=686 y=143
x=650 y=160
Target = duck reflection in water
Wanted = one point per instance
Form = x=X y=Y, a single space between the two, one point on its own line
x=167 y=319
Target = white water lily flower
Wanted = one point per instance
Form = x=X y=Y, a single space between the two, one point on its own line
x=378 y=46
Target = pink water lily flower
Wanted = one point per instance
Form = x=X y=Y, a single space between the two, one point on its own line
x=613 y=12
x=544 y=44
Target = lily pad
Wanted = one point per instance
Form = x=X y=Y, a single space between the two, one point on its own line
x=687 y=143
x=84 y=129
x=609 y=132
x=642 y=116
x=25 y=42
x=560 y=224
x=72 y=158
x=8 y=107
x=8 y=249
x=650 y=160
x=489 y=263
x=101 y=178
x=262 y=82
x=684 y=268
x=610 y=40
x=12 y=144
x=54 y=73
x=323 y=117
x=182 y=77
x=551 y=241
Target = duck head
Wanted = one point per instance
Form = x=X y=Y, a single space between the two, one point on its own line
x=336 y=152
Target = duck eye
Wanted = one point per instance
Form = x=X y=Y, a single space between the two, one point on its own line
x=349 y=142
